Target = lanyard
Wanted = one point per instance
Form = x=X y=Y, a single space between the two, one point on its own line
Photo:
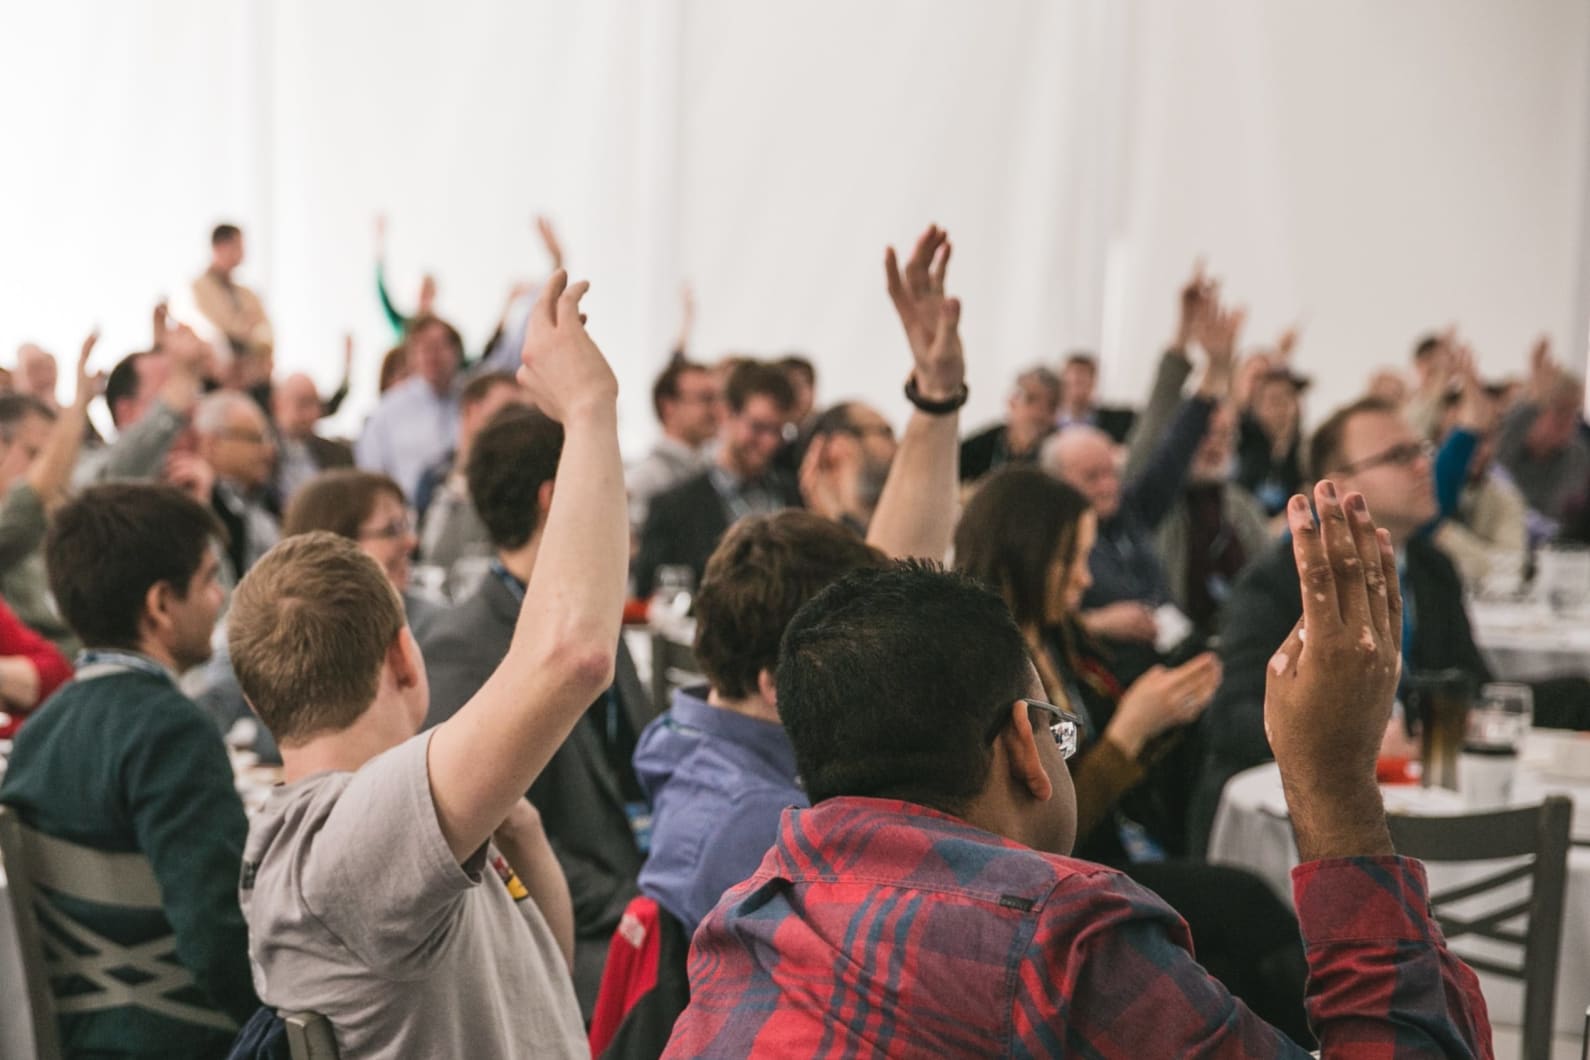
x=103 y=662
x=514 y=586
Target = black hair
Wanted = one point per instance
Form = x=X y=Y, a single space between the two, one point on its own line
x=889 y=682
x=512 y=456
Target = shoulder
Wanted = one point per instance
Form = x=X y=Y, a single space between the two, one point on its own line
x=685 y=495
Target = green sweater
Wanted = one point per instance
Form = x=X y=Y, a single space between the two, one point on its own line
x=125 y=763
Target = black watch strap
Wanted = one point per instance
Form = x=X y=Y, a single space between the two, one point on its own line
x=935 y=408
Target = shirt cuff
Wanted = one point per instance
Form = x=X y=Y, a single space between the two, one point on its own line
x=1363 y=899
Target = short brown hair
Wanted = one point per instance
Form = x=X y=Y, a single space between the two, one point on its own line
x=309 y=628
x=339 y=500
x=666 y=388
x=761 y=573
x=749 y=379
x=106 y=548
x=419 y=323
x=1325 y=448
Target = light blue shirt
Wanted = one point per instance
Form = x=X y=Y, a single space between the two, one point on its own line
x=412 y=428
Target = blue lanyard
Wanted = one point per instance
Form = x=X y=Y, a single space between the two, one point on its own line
x=514 y=586
x=102 y=662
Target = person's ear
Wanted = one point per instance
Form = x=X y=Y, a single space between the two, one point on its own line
x=1025 y=762
x=764 y=685
x=544 y=500
x=158 y=599
x=403 y=659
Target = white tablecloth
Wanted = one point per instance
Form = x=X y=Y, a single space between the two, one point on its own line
x=1252 y=831
x=1527 y=641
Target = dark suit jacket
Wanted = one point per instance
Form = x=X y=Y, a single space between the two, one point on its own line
x=328 y=453
x=1261 y=612
x=581 y=793
x=1115 y=421
x=685 y=523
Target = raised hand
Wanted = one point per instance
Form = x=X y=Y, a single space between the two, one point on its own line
x=931 y=320
x=562 y=368
x=1287 y=342
x=87 y=382
x=1196 y=294
x=1217 y=332
x=1330 y=686
x=549 y=240
x=192 y=474
x=1543 y=369
x=161 y=324
x=1475 y=412
x=830 y=478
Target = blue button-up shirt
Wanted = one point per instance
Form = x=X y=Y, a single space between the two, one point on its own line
x=412 y=428
x=717 y=782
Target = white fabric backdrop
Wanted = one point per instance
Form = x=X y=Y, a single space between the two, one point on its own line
x=1375 y=170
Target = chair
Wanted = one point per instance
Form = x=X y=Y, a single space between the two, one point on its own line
x=309 y=1036
x=1538 y=833
x=673 y=665
x=56 y=947
x=645 y=984
x=35 y=976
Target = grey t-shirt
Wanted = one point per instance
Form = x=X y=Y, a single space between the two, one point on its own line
x=358 y=910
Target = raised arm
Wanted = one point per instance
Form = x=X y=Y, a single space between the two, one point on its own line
x=1164 y=396
x=485 y=757
x=52 y=471
x=917 y=510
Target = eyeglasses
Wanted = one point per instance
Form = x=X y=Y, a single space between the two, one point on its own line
x=1402 y=455
x=247 y=437
x=395 y=530
x=1065 y=727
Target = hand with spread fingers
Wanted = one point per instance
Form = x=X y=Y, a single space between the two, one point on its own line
x=931 y=320
x=1330 y=685
x=562 y=368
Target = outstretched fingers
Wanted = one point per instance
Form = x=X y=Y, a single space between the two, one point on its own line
x=1318 y=584
x=1352 y=599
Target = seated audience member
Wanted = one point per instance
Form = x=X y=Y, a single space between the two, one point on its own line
x=397 y=883
x=1270 y=440
x=1079 y=382
x=1488 y=514
x=1029 y=419
x=25 y=426
x=1027 y=536
x=150 y=395
x=717 y=767
x=849 y=449
x=301 y=454
x=368 y=510
x=1129 y=582
x=686 y=522
x=37 y=375
x=450 y=529
x=1369 y=448
x=940 y=794
x=688 y=406
x=234 y=440
x=120 y=761
x=1541 y=444
x=234 y=311
x=416 y=421
x=587 y=793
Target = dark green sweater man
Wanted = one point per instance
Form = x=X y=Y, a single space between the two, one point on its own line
x=121 y=761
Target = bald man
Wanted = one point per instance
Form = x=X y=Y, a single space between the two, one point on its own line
x=37 y=375
x=302 y=454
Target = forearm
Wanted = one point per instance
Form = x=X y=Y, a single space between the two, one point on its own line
x=1154 y=492
x=529 y=853
x=22 y=525
x=561 y=656
x=1171 y=376
x=916 y=514
x=52 y=470
x=140 y=450
x=1101 y=776
x=1380 y=976
x=19 y=682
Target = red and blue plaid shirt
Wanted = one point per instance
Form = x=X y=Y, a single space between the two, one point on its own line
x=879 y=928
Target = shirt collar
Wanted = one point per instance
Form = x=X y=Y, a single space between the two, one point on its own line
x=767 y=739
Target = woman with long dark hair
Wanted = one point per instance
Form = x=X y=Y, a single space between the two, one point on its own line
x=1027 y=535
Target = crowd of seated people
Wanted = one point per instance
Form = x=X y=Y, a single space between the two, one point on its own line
x=489 y=840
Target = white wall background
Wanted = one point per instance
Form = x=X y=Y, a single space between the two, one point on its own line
x=1373 y=169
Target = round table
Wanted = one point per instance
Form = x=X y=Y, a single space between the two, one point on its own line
x=1527 y=641
x=1253 y=831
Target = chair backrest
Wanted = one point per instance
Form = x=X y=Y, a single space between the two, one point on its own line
x=309 y=1036
x=72 y=950
x=1539 y=834
x=673 y=664
x=645 y=983
x=35 y=974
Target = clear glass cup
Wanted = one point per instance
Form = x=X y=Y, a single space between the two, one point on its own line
x=1500 y=719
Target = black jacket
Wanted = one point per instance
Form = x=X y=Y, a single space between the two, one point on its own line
x=684 y=525
x=1261 y=612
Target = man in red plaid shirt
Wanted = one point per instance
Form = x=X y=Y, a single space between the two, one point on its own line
x=924 y=905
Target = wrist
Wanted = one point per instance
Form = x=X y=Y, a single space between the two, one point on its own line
x=1336 y=820
x=935 y=397
x=598 y=410
x=1126 y=739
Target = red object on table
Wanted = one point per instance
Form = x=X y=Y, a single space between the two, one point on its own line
x=1395 y=770
x=635 y=612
